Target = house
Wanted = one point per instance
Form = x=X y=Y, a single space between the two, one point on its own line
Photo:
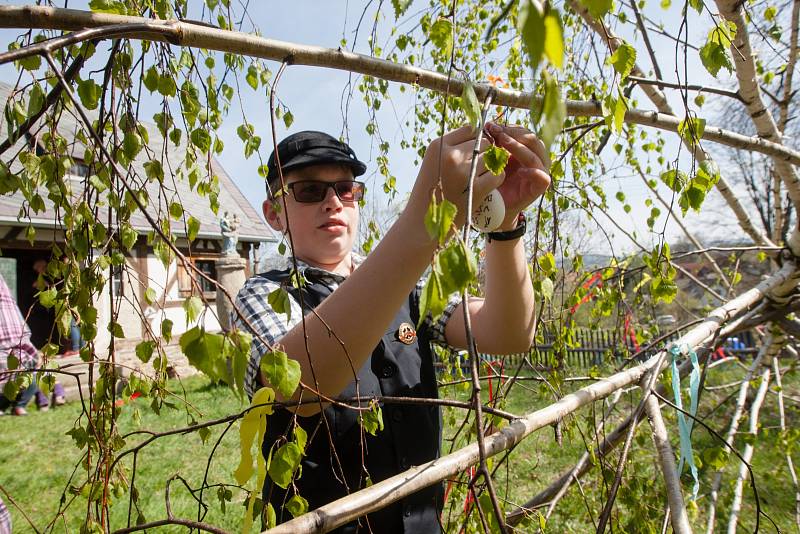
x=143 y=270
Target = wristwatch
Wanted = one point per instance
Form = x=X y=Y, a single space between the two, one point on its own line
x=510 y=235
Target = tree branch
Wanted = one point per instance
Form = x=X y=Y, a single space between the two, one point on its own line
x=202 y=36
x=748 y=452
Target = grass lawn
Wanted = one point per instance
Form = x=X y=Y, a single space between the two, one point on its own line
x=37 y=458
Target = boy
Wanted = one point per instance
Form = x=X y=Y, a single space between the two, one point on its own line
x=360 y=338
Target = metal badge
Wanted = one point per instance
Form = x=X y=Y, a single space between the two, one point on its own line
x=406 y=334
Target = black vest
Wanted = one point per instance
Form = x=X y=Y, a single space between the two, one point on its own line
x=411 y=434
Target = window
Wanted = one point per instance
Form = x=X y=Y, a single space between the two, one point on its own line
x=117 y=281
x=191 y=282
x=78 y=169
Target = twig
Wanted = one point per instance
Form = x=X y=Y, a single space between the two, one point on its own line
x=689 y=87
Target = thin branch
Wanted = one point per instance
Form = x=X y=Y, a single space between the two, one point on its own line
x=736 y=505
x=732 y=428
x=700 y=88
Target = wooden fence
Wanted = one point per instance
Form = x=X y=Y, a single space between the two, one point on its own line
x=587 y=348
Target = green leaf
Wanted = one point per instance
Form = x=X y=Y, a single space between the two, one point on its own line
x=458 y=266
x=31 y=63
x=144 y=350
x=614 y=111
x=372 y=420
x=553 y=111
x=150 y=80
x=154 y=170
x=433 y=300
x=288 y=119
x=193 y=226
x=546 y=289
x=175 y=136
x=674 y=179
x=201 y=139
x=400 y=7
x=547 y=263
x=127 y=236
x=441 y=35
x=297 y=506
x=253 y=422
x=470 y=105
x=714 y=54
x=554 y=38
x=496 y=158
x=697 y=5
x=279 y=300
x=175 y=210
x=439 y=219
x=770 y=13
x=252 y=77
x=715 y=457
x=691 y=129
x=35 y=99
x=624 y=59
x=47 y=298
x=282 y=372
x=597 y=8
x=131 y=145
x=284 y=463
x=114 y=327
x=530 y=25
x=114 y=7
x=89 y=93
x=205 y=353
x=150 y=296
x=193 y=306
x=166 y=329
x=166 y=85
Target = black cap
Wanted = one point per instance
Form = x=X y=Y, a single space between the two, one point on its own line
x=312 y=148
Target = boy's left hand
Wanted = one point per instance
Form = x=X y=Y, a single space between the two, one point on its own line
x=526 y=174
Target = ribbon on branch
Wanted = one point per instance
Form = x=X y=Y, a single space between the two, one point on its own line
x=685 y=424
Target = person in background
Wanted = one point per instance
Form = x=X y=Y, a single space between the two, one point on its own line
x=5 y=519
x=15 y=340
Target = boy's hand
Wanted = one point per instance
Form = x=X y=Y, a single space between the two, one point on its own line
x=526 y=175
x=449 y=157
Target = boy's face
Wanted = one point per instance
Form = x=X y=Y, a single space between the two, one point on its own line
x=323 y=232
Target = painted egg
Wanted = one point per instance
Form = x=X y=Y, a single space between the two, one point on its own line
x=489 y=214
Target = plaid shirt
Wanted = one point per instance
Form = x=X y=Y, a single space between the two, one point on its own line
x=272 y=326
x=15 y=336
x=5 y=517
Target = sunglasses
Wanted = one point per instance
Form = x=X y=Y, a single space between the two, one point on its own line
x=308 y=191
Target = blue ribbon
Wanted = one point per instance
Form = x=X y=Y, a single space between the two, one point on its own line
x=685 y=424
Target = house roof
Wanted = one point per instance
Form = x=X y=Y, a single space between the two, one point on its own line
x=252 y=228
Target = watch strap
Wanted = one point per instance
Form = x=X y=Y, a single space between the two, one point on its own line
x=510 y=235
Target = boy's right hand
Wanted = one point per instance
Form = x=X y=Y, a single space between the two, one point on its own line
x=449 y=157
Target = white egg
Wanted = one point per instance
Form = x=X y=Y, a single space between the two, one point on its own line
x=489 y=214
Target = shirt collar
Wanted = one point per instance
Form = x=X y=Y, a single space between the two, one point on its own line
x=307 y=270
